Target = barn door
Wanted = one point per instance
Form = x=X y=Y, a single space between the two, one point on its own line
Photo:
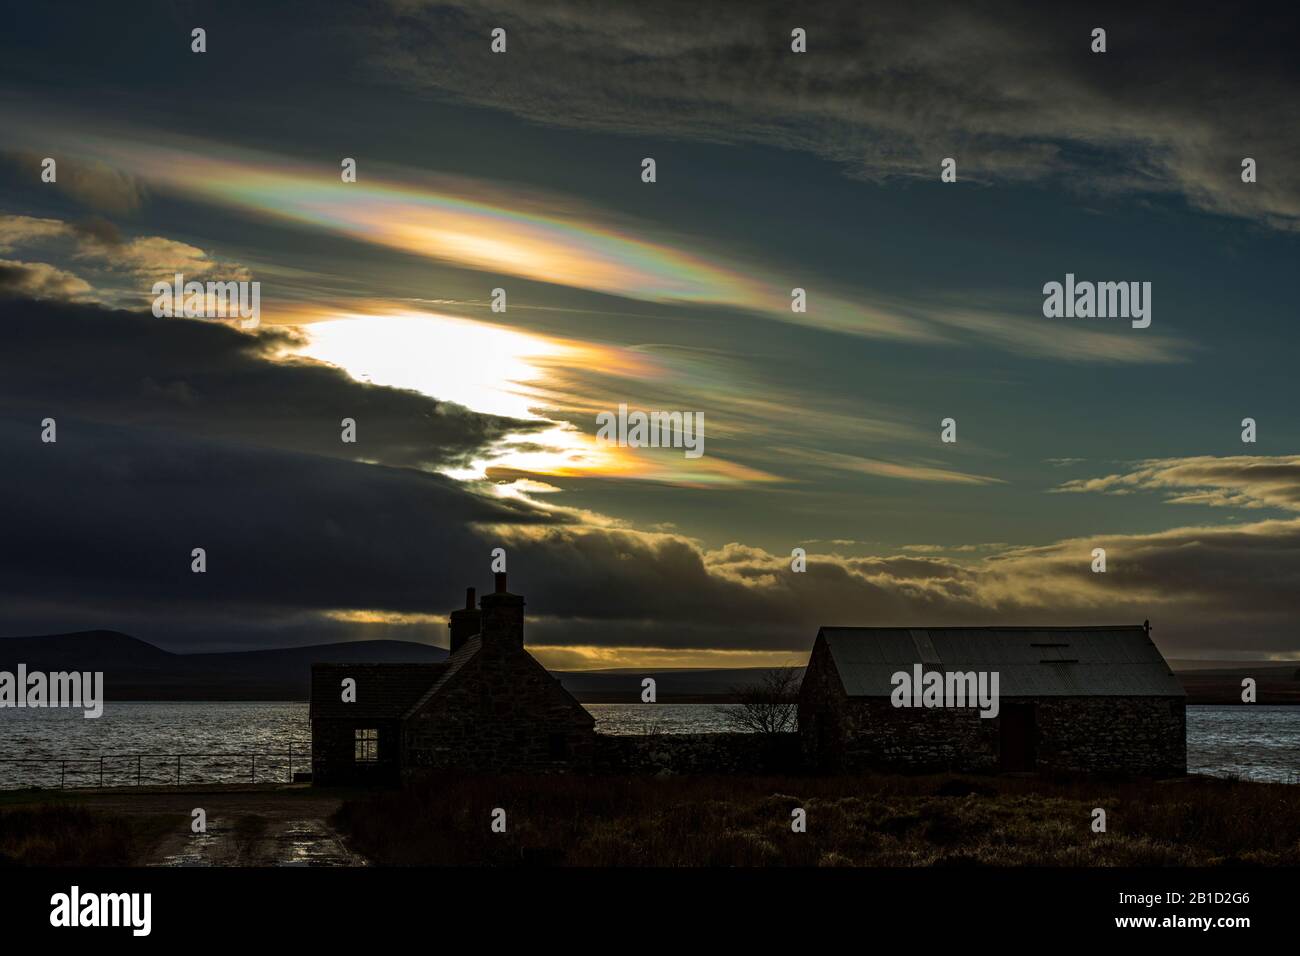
x=1018 y=734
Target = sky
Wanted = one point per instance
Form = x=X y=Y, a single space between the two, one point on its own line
x=522 y=171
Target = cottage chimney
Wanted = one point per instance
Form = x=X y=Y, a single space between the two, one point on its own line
x=502 y=615
x=464 y=623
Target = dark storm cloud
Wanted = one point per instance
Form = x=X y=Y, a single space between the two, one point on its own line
x=1208 y=589
x=204 y=379
x=178 y=434
x=109 y=514
x=1011 y=91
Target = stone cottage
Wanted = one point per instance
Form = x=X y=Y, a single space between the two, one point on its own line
x=1094 y=699
x=489 y=708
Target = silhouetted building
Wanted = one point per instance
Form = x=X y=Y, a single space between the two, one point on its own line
x=489 y=708
x=1095 y=699
x=361 y=742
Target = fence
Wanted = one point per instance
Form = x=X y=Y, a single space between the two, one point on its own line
x=134 y=766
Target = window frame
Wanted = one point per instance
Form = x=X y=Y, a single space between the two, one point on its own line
x=365 y=745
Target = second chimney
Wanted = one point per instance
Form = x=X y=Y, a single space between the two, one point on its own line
x=465 y=622
x=503 y=615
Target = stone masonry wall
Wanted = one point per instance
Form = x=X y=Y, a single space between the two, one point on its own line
x=333 y=751
x=875 y=734
x=1125 y=735
x=1129 y=735
x=822 y=706
x=502 y=713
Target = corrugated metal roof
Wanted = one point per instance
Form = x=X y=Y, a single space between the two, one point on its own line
x=1030 y=661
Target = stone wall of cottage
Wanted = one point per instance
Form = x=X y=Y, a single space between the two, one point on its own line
x=333 y=751
x=501 y=713
x=1126 y=735
x=720 y=753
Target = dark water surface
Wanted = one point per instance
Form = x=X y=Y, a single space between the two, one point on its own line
x=1257 y=742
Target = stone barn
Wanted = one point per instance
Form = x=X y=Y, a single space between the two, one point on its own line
x=489 y=708
x=1092 y=699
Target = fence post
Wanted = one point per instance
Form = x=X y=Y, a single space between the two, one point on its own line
x=63 y=772
x=138 y=758
x=254 y=768
x=291 y=761
x=178 y=770
x=101 y=771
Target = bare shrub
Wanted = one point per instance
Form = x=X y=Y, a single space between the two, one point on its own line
x=766 y=706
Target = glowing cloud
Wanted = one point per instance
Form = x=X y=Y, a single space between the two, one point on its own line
x=498 y=370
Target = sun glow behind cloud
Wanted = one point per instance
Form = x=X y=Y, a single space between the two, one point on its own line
x=488 y=368
x=497 y=370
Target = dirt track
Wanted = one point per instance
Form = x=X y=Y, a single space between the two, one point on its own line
x=246 y=826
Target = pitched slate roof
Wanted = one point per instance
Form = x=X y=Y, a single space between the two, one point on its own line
x=453 y=664
x=383 y=690
x=1030 y=661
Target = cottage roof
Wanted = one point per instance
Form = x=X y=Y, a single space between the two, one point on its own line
x=1031 y=661
x=463 y=655
x=384 y=690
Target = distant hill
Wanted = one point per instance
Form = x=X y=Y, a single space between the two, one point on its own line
x=136 y=670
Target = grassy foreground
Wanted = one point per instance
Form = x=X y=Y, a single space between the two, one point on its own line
x=866 y=821
x=63 y=834
x=142 y=826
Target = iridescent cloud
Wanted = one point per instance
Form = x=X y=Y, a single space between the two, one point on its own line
x=480 y=225
x=461 y=221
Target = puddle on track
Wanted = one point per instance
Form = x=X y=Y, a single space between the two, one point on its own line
x=305 y=842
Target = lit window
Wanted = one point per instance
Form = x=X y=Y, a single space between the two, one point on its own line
x=367 y=745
